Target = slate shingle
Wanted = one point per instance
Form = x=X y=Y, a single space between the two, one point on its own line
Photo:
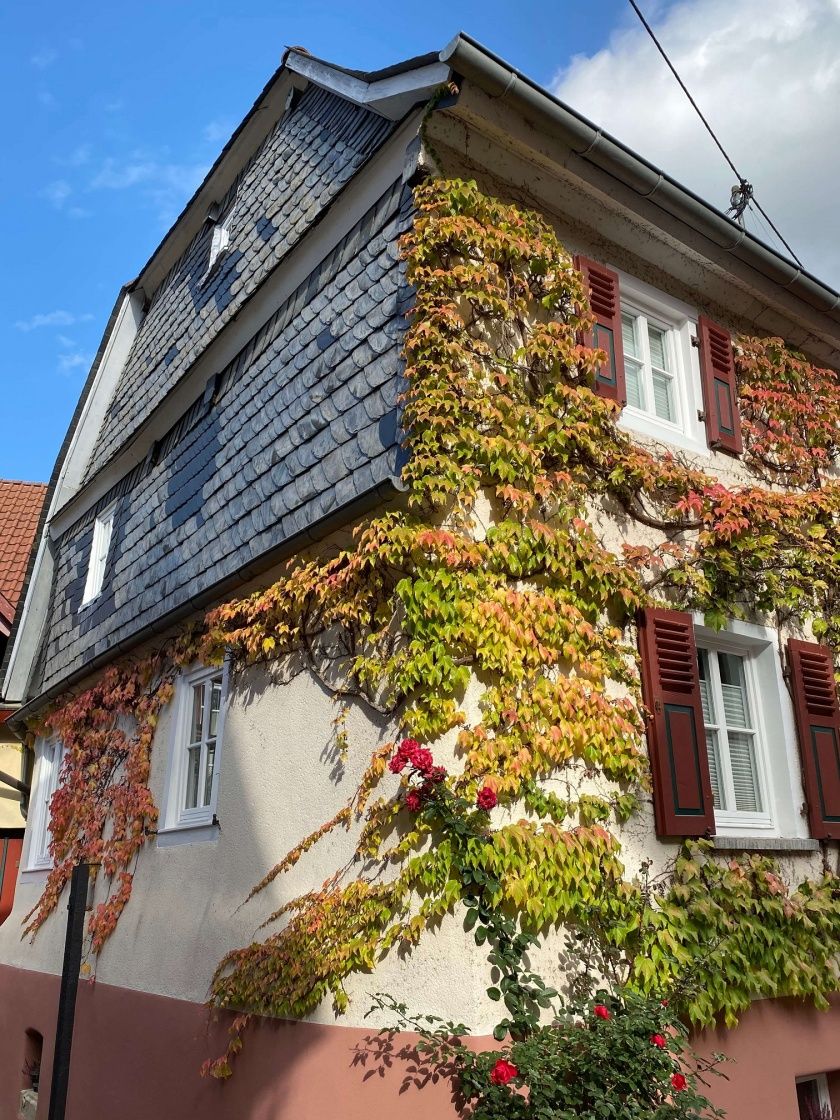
x=311 y=153
x=292 y=435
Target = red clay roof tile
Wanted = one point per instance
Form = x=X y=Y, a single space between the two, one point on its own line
x=20 y=507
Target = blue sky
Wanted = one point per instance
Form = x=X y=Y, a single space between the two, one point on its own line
x=114 y=113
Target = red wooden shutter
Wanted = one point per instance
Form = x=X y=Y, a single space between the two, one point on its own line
x=818 y=725
x=10 y=849
x=682 y=789
x=602 y=284
x=720 y=394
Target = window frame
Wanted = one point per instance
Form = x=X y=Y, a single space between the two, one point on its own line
x=779 y=767
x=176 y=816
x=740 y=818
x=38 y=856
x=821 y=1082
x=679 y=321
x=97 y=558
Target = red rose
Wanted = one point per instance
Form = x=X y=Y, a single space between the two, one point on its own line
x=658 y=1040
x=678 y=1081
x=437 y=774
x=422 y=760
x=486 y=798
x=601 y=1011
x=397 y=763
x=502 y=1072
x=408 y=747
x=413 y=800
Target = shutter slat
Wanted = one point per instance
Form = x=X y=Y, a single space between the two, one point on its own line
x=682 y=790
x=605 y=303
x=818 y=727
x=720 y=393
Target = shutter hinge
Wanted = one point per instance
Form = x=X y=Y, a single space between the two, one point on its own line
x=701 y=415
x=695 y=341
x=657 y=706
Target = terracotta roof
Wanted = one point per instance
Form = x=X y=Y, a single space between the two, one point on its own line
x=20 y=507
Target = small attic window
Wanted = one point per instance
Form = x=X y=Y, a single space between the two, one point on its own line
x=219 y=239
x=218 y=244
x=102 y=531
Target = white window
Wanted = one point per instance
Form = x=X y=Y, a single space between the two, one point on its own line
x=750 y=733
x=196 y=749
x=102 y=532
x=48 y=755
x=813 y=1097
x=219 y=243
x=649 y=365
x=661 y=367
x=732 y=741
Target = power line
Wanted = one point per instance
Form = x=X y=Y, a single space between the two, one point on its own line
x=742 y=194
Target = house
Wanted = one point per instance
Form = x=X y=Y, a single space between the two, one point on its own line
x=20 y=509
x=244 y=409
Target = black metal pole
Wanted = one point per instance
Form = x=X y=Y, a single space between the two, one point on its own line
x=67 y=993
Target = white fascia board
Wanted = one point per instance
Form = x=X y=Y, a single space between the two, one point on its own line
x=69 y=479
x=391 y=97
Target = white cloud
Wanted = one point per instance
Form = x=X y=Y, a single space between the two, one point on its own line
x=58 y=318
x=46 y=99
x=57 y=192
x=79 y=156
x=766 y=73
x=44 y=58
x=219 y=130
x=68 y=363
x=164 y=184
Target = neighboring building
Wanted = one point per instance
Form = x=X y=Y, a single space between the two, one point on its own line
x=20 y=510
x=243 y=407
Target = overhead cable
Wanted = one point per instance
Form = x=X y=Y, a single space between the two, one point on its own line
x=743 y=193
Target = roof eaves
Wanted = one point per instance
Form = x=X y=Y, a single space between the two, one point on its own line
x=469 y=59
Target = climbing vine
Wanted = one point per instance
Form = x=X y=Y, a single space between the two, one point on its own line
x=533 y=530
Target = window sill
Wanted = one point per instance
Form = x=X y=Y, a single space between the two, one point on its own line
x=642 y=424
x=201 y=833
x=35 y=874
x=765 y=844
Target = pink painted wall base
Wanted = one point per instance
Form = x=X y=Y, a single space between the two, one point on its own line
x=137 y=1057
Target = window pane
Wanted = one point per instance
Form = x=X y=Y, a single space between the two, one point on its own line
x=744 y=776
x=208 y=771
x=663 y=397
x=193 y=769
x=628 y=335
x=633 y=379
x=734 y=687
x=215 y=704
x=713 y=751
x=658 y=347
x=198 y=713
x=705 y=687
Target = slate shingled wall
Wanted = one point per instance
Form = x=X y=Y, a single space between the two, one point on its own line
x=315 y=148
x=302 y=423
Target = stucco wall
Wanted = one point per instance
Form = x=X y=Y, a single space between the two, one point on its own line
x=280 y=778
